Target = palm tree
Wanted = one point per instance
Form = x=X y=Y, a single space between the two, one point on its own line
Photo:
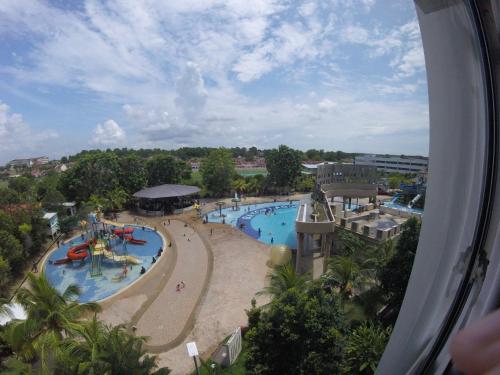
x=239 y=185
x=281 y=279
x=345 y=274
x=51 y=316
x=101 y=349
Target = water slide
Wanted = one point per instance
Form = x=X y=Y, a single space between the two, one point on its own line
x=121 y=232
x=78 y=252
x=113 y=223
x=414 y=200
x=133 y=240
x=100 y=248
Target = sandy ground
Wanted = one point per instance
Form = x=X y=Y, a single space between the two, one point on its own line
x=168 y=315
x=239 y=271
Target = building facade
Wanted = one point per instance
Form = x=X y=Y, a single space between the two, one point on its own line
x=394 y=163
x=329 y=173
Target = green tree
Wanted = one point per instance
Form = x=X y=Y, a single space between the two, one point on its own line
x=345 y=274
x=52 y=200
x=283 y=278
x=11 y=250
x=95 y=173
x=300 y=333
x=117 y=198
x=395 y=274
x=364 y=347
x=51 y=316
x=166 y=169
x=132 y=174
x=284 y=166
x=102 y=349
x=21 y=185
x=6 y=222
x=239 y=185
x=5 y=276
x=217 y=171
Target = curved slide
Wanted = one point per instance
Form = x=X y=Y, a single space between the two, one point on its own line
x=121 y=232
x=120 y=258
x=133 y=240
x=78 y=252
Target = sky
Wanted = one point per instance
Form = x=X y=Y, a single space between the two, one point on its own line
x=335 y=74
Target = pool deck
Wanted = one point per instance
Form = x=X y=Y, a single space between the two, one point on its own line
x=222 y=271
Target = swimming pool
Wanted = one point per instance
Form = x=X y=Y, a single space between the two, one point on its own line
x=99 y=287
x=276 y=221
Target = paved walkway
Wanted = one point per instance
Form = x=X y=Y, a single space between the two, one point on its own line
x=168 y=315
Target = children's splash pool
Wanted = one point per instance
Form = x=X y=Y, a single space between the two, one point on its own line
x=112 y=278
x=270 y=223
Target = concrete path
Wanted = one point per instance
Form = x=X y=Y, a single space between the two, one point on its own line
x=168 y=316
x=239 y=272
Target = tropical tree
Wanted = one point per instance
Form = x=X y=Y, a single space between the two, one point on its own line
x=217 y=171
x=51 y=316
x=117 y=198
x=166 y=169
x=345 y=274
x=11 y=250
x=94 y=173
x=364 y=347
x=132 y=174
x=284 y=165
x=396 y=272
x=239 y=185
x=283 y=278
x=102 y=349
x=300 y=333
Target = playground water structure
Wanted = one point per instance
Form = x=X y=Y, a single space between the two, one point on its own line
x=276 y=221
x=393 y=204
x=111 y=277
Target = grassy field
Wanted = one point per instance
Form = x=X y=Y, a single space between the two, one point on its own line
x=4 y=183
x=238 y=367
x=247 y=172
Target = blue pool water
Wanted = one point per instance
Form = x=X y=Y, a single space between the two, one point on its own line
x=276 y=221
x=99 y=287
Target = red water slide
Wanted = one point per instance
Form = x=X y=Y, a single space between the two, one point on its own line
x=78 y=252
x=121 y=232
x=134 y=241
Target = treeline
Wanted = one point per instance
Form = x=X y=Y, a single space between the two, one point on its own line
x=23 y=231
x=339 y=323
x=187 y=153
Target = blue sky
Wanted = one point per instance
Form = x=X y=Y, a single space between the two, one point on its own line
x=336 y=74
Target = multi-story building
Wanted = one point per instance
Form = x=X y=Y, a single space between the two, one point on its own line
x=394 y=163
x=20 y=163
x=40 y=160
x=330 y=173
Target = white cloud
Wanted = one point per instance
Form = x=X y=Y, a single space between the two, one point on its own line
x=191 y=93
x=108 y=134
x=326 y=105
x=13 y=129
x=18 y=139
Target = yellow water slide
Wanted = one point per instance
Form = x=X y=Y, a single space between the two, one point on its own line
x=100 y=248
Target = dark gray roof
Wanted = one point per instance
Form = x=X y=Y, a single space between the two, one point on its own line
x=167 y=191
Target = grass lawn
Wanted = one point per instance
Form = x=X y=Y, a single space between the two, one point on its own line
x=238 y=367
x=247 y=172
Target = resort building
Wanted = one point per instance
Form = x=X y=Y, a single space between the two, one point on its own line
x=52 y=223
x=40 y=160
x=165 y=199
x=393 y=163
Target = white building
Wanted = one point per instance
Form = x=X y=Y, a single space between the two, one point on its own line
x=394 y=163
x=53 y=223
